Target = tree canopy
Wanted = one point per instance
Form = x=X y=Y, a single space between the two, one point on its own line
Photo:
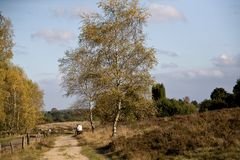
x=112 y=44
x=219 y=94
x=21 y=100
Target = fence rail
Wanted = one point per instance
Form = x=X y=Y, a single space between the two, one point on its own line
x=19 y=143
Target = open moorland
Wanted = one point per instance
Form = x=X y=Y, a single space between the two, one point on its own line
x=209 y=135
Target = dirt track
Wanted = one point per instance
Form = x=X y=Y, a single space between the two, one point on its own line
x=66 y=147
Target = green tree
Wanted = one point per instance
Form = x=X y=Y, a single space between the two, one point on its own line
x=219 y=94
x=170 y=107
x=158 y=92
x=236 y=93
x=115 y=43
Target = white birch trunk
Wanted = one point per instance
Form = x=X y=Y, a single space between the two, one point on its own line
x=114 y=134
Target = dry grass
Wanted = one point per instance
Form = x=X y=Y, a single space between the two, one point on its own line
x=91 y=153
x=34 y=151
x=210 y=135
x=97 y=143
x=103 y=133
x=63 y=125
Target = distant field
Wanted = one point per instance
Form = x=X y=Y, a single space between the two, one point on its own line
x=65 y=126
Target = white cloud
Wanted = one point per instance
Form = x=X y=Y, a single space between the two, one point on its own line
x=197 y=73
x=199 y=83
x=168 y=53
x=73 y=12
x=161 y=12
x=226 y=60
x=169 y=65
x=54 y=36
x=204 y=73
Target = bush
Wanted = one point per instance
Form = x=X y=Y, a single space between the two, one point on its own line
x=205 y=105
x=170 y=107
x=213 y=105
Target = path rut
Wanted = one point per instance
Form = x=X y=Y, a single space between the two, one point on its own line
x=65 y=147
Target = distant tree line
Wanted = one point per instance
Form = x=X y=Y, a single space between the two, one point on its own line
x=56 y=115
x=160 y=106
x=219 y=99
x=222 y=99
x=170 y=107
x=21 y=100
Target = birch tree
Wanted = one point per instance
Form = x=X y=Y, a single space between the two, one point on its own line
x=78 y=78
x=6 y=42
x=115 y=44
x=21 y=100
x=6 y=45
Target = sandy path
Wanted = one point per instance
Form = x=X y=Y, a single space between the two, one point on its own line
x=66 y=147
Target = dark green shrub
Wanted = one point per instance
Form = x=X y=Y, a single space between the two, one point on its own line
x=170 y=107
x=236 y=93
x=205 y=105
x=158 y=92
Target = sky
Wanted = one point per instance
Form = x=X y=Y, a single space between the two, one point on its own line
x=197 y=43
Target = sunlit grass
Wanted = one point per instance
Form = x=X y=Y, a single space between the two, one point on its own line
x=91 y=153
x=32 y=152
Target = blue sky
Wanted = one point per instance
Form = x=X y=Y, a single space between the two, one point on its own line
x=197 y=43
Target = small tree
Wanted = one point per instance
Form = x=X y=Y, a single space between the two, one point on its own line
x=219 y=94
x=158 y=92
x=78 y=75
x=236 y=93
x=186 y=99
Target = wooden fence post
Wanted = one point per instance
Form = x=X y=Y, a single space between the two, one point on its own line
x=23 y=142
x=28 y=139
x=0 y=149
x=11 y=147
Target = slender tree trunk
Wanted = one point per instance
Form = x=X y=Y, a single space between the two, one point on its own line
x=14 y=118
x=18 y=121
x=114 y=131
x=91 y=119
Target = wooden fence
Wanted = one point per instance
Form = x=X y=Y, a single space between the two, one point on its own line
x=19 y=143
